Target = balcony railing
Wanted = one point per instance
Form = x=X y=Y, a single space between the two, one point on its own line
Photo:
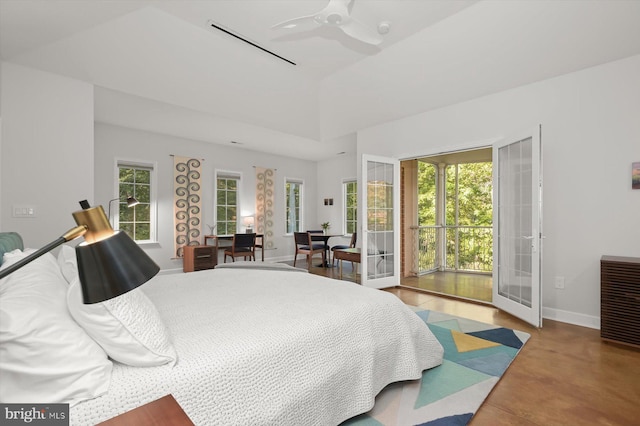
x=452 y=248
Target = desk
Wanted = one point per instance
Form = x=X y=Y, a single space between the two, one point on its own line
x=348 y=254
x=214 y=238
x=224 y=242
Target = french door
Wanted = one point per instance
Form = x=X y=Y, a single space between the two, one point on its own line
x=517 y=229
x=380 y=219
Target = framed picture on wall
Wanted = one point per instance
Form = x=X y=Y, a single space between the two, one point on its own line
x=635 y=176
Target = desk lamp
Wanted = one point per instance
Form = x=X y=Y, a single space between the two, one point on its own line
x=131 y=201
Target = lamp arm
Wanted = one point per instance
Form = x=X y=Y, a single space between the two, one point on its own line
x=68 y=236
x=111 y=201
x=74 y=233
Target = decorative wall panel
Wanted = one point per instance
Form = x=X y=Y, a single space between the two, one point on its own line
x=265 y=181
x=187 y=203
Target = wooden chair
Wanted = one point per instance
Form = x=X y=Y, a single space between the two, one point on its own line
x=242 y=245
x=352 y=244
x=318 y=237
x=306 y=247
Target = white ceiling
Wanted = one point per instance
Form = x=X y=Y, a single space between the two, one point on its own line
x=158 y=66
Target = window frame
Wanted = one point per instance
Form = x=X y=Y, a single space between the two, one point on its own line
x=227 y=174
x=300 y=182
x=153 y=195
x=345 y=216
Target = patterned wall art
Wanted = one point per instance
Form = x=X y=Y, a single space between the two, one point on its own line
x=187 y=202
x=265 y=182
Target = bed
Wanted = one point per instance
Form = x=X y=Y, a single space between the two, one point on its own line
x=262 y=345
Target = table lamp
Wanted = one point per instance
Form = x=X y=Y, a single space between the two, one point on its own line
x=109 y=262
x=248 y=222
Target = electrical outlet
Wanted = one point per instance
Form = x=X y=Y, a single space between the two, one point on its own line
x=560 y=283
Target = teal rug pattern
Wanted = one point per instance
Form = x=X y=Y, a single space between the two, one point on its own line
x=476 y=355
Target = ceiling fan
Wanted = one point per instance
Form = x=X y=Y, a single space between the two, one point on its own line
x=336 y=14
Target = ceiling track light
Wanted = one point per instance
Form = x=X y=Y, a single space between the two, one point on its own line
x=226 y=31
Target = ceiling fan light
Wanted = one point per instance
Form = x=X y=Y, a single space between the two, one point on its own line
x=384 y=27
x=334 y=19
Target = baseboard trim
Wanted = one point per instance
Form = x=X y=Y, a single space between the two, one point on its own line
x=569 y=317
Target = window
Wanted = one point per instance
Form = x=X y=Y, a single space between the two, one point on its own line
x=350 y=190
x=293 y=194
x=227 y=196
x=136 y=180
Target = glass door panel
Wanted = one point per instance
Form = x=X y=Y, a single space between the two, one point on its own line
x=380 y=261
x=517 y=227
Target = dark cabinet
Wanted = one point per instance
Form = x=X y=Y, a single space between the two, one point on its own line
x=620 y=299
x=197 y=258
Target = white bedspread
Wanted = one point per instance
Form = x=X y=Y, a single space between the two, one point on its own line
x=262 y=347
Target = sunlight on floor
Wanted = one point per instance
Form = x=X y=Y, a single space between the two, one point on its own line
x=459 y=284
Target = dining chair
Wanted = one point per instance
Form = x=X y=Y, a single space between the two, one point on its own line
x=305 y=246
x=242 y=245
x=319 y=236
x=352 y=244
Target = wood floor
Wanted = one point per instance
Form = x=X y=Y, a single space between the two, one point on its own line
x=465 y=285
x=564 y=375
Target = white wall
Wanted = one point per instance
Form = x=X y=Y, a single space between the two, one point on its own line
x=331 y=175
x=113 y=142
x=590 y=135
x=47 y=151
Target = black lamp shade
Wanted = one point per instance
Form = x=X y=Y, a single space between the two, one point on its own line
x=111 y=267
x=132 y=201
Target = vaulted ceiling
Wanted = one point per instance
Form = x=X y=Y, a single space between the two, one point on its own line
x=159 y=66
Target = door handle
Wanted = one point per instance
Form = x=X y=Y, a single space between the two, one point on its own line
x=534 y=242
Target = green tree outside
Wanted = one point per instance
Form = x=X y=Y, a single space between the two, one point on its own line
x=136 y=220
x=468 y=202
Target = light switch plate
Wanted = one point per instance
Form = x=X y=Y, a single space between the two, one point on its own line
x=24 y=211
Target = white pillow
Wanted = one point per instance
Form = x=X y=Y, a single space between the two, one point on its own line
x=128 y=327
x=68 y=263
x=11 y=257
x=45 y=356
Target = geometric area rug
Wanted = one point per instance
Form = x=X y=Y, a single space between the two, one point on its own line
x=476 y=355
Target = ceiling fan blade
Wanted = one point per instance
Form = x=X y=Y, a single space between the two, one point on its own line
x=337 y=6
x=295 y=22
x=361 y=32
